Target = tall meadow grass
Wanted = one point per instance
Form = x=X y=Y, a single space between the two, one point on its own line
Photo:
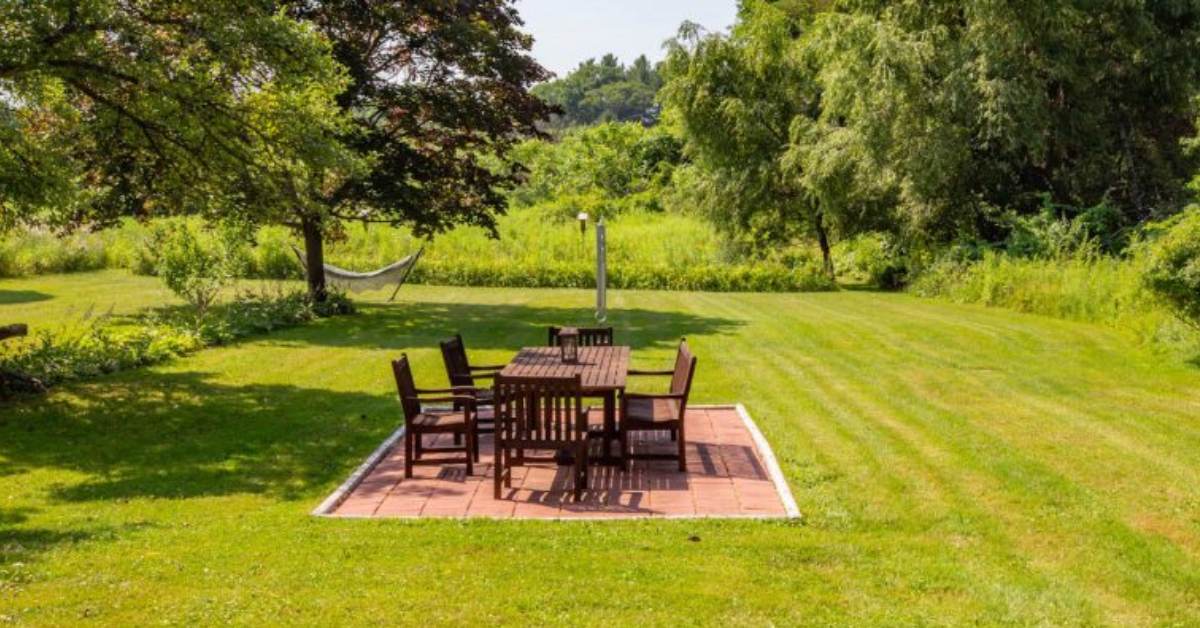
x=534 y=249
x=1088 y=288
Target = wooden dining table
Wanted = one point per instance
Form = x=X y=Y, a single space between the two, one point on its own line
x=602 y=370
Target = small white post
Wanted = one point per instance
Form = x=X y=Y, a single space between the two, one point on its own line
x=601 y=272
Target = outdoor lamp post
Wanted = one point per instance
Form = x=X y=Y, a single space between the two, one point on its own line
x=568 y=341
x=583 y=218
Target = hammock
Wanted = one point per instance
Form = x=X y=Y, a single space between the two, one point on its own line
x=342 y=279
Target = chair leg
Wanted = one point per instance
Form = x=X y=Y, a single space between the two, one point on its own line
x=498 y=472
x=682 y=449
x=509 y=464
x=469 y=451
x=580 y=473
x=625 y=450
x=408 y=452
x=584 y=463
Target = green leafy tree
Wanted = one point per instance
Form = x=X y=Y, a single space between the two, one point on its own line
x=960 y=108
x=438 y=93
x=602 y=169
x=735 y=99
x=111 y=108
x=297 y=113
x=602 y=91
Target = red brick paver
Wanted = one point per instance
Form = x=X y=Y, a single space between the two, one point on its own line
x=726 y=477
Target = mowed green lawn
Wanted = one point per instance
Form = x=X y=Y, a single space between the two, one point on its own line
x=954 y=465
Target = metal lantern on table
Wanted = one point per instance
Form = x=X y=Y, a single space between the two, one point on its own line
x=568 y=342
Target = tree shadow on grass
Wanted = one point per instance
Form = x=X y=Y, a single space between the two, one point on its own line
x=20 y=544
x=13 y=297
x=172 y=435
x=487 y=326
x=180 y=435
x=23 y=544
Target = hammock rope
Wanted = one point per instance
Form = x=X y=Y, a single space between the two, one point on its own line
x=395 y=273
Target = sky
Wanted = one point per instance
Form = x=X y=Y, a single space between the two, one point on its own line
x=570 y=31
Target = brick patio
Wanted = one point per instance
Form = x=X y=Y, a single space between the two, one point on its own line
x=728 y=476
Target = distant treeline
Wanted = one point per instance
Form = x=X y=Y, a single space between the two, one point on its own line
x=604 y=91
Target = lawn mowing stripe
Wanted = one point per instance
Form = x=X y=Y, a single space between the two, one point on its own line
x=847 y=353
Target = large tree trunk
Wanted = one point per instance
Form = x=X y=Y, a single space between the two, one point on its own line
x=823 y=241
x=314 y=258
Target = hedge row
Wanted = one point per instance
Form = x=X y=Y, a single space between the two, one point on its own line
x=712 y=278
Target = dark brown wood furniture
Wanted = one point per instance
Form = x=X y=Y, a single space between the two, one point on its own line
x=540 y=414
x=420 y=421
x=462 y=374
x=588 y=336
x=643 y=412
x=13 y=331
x=602 y=372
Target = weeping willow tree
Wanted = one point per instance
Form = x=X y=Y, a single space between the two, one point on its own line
x=936 y=120
x=735 y=99
x=962 y=109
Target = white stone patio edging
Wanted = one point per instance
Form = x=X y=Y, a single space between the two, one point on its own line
x=336 y=498
x=782 y=489
x=773 y=470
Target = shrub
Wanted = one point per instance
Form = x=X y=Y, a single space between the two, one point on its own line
x=646 y=250
x=1172 y=265
x=1089 y=288
x=195 y=269
x=36 y=252
x=874 y=259
x=98 y=345
x=94 y=347
x=1063 y=231
x=272 y=257
x=710 y=278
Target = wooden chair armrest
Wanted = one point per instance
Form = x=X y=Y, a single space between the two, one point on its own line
x=643 y=372
x=452 y=390
x=446 y=399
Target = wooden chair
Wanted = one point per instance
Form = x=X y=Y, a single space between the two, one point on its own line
x=420 y=421
x=540 y=414
x=643 y=412
x=462 y=374
x=588 y=336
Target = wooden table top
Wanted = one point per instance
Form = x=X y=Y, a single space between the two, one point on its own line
x=602 y=368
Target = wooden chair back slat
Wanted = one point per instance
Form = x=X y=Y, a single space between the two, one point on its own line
x=406 y=387
x=685 y=369
x=546 y=409
x=454 y=356
x=588 y=336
